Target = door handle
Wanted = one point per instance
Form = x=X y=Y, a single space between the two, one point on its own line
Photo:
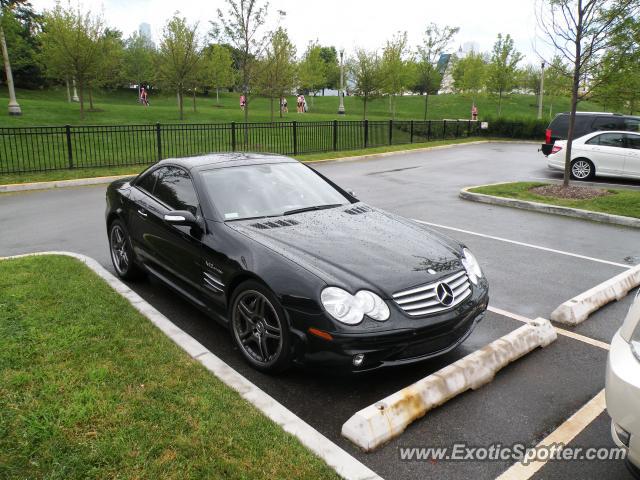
x=142 y=213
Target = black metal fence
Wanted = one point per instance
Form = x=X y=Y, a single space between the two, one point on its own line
x=32 y=149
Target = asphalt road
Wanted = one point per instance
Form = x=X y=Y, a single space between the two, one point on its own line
x=526 y=400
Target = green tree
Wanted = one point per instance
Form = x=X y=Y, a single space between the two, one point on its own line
x=138 y=60
x=312 y=71
x=581 y=31
x=22 y=26
x=278 y=72
x=469 y=73
x=110 y=68
x=428 y=78
x=557 y=82
x=242 y=26
x=71 y=47
x=332 y=67
x=365 y=72
x=395 y=69
x=501 y=72
x=178 y=57
x=220 y=68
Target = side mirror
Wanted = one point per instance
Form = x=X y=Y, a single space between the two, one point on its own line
x=181 y=217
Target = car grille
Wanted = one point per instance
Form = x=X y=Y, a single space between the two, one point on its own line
x=423 y=300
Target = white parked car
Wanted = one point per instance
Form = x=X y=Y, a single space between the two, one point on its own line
x=623 y=386
x=610 y=154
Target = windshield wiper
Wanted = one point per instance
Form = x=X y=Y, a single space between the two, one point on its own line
x=309 y=209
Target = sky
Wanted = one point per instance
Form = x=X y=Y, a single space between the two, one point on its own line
x=348 y=23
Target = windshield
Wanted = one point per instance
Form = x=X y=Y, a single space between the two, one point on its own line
x=251 y=191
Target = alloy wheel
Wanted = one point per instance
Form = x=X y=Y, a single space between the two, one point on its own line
x=581 y=169
x=257 y=327
x=119 y=250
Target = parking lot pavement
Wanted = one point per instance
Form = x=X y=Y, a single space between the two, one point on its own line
x=524 y=403
x=597 y=434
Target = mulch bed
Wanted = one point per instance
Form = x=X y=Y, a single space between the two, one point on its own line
x=570 y=193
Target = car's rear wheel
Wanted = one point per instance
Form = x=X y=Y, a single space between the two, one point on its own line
x=582 y=169
x=259 y=328
x=122 y=255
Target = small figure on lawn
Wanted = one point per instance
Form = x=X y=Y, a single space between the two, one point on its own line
x=474 y=112
x=243 y=102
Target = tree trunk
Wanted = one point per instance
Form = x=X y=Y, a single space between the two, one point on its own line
x=364 y=113
x=217 y=95
x=426 y=105
x=180 y=105
x=68 y=91
x=90 y=98
x=500 y=103
x=194 y=100
x=81 y=97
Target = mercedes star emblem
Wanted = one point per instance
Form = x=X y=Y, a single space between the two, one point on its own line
x=444 y=294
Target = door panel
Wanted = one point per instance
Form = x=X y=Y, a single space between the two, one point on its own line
x=632 y=162
x=607 y=152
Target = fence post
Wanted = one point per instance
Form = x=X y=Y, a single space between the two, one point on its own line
x=444 y=129
x=335 y=135
x=429 y=131
x=457 y=128
x=390 y=132
x=233 y=136
x=294 y=124
x=411 y=132
x=159 y=141
x=69 y=151
x=468 y=128
x=366 y=133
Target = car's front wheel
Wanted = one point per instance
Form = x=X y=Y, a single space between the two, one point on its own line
x=121 y=252
x=582 y=169
x=259 y=328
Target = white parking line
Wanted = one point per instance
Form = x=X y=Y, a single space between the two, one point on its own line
x=523 y=244
x=561 y=435
x=560 y=331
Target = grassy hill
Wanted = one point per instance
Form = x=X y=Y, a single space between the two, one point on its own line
x=50 y=107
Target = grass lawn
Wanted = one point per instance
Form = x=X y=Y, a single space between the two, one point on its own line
x=620 y=202
x=50 y=107
x=89 y=388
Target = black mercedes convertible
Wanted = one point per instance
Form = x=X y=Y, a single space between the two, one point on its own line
x=299 y=269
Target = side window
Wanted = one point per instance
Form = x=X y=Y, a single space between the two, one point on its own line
x=148 y=182
x=175 y=188
x=633 y=141
x=610 y=140
x=608 y=123
x=632 y=124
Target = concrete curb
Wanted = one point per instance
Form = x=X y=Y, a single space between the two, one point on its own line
x=76 y=182
x=344 y=464
x=465 y=194
x=80 y=182
x=376 y=424
x=577 y=309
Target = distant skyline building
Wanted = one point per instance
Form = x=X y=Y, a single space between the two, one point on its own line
x=144 y=30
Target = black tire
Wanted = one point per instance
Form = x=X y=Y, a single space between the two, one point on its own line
x=122 y=255
x=259 y=328
x=582 y=169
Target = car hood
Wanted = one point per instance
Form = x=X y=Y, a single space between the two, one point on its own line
x=358 y=246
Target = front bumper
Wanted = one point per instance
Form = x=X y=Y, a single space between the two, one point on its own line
x=623 y=396
x=402 y=346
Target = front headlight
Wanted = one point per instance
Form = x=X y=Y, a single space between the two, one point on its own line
x=471 y=265
x=351 y=309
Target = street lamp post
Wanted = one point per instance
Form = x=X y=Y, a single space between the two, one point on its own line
x=541 y=93
x=14 y=108
x=341 y=92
